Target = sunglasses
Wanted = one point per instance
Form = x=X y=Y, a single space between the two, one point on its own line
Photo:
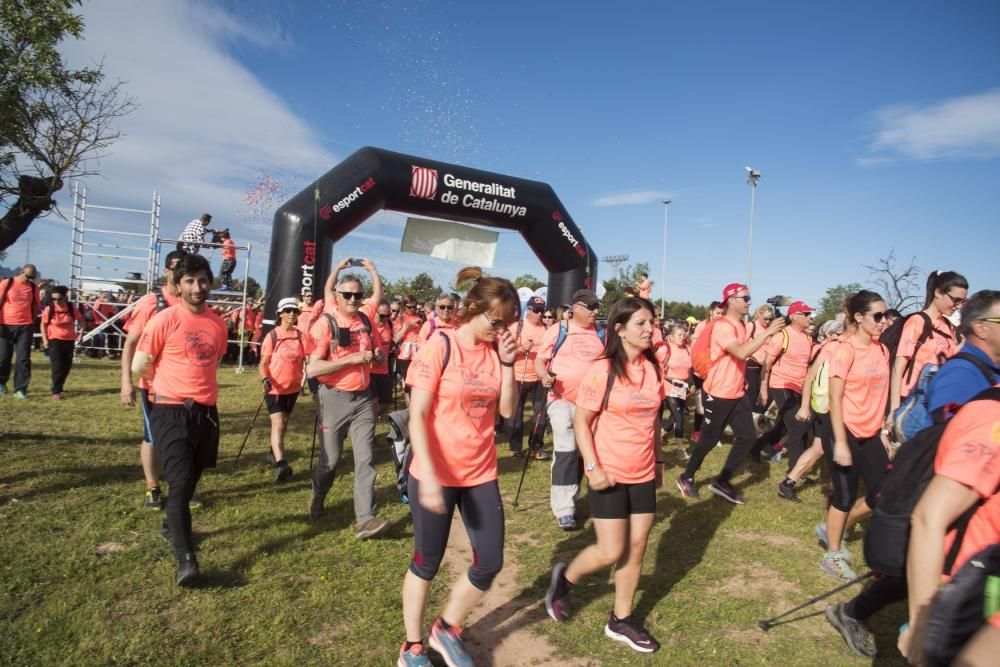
x=745 y=297
x=548 y=317
x=805 y=314
x=878 y=317
x=394 y=311
x=55 y=297
x=447 y=308
x=383 y=316
x=410 y=306
x=956 y=300
x=536 y=310
x=352 y=296
x=496 y=325
x=593 y=306
x=294 y=311
x=992 y=320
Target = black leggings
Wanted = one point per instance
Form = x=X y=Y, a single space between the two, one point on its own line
x=536 y=392
x=61 y=356
x=752 y=374
x=675 y=421
x=880 y=594
x=482 y=513
x=788 y=404
x=868 y=461
x=718 y=413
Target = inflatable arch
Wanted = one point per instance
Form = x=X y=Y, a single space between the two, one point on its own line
x=371 y=179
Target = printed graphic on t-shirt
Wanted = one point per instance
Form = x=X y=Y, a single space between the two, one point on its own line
x=477 y=393
x=641 y=405
x=200 y=349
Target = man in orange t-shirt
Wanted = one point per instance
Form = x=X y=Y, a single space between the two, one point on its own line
x=561 y=371
x=528 y=334
x=178 y=353
x=381 y=379
x=228 y=260
x=725 y=398
x=19 y=301
x=347 y=345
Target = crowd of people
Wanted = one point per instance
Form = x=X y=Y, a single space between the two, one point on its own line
x=614 y=392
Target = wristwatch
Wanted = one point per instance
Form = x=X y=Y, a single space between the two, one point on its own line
x=590 y=466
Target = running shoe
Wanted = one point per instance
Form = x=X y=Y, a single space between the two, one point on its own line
x=567 y=522
x=371 y=528
x=187 y=570
x=821 y=535
x=415 y=657
x=195 y=503
x=857 y=637
x=57 y=396
x=20 y=395
x=776 y=457
x=632 y=633
x=788 y=493
x=283 y=473
x=686 y=487
x=727 y=491
x=449 y=644
x=557 y=596
x=540 y=455
x=682 y=454
x=519 y=454
x=835 y=564
x=153 y=500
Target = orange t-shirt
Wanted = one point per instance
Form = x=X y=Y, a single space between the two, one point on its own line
x=761 y=354
x=287 y=355
x=355 y=377
x=727 y=376
x=935 y=349
x=17 y=305
x=408 y=343
x=461 y=419
x=524 y=369
x=186 y=348
x=678 y=362
x=143 y=312
x=866 y=384
x=580 y=348
x=228 y=249
x=645 y=287
x=385 y=338
x=969 y=453
x=306 y=317
x=60 y=326
x=623 y=436
x=789 y=371
x=426 y=332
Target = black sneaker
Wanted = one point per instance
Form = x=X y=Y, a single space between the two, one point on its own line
x=855 y=634
x=686 y=487
x=727 y=491
x=519 y=454
x=187 y=570
x=283 y=473
x=557 y=596
x=632 y=633
x=153 y=500
x=788 y=493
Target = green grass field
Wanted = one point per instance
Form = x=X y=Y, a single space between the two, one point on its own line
x=87 y=580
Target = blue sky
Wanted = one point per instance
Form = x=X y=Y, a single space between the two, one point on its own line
x=876 y=126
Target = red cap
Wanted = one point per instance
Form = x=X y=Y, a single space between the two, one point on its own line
x=731 y=289
x=799 y=307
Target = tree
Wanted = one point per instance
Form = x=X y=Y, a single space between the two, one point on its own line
x=897 y=285
x=678 y=310
x=529 y=281
x=56 y=121
x=833 y=302
x=422 y=287
x=615 y=286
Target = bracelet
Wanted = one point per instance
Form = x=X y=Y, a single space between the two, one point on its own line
x=660 y=462
x=508 y=364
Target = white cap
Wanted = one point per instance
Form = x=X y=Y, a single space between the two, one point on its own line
x=288 y=302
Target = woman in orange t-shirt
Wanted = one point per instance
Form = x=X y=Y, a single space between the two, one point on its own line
x=453 y=408
x=59 y=336
x=677 y=384
x=947 y=291
x=407 y=337
x=617 y=427
x=854 y=441
x=755 y=362
x=283 y=357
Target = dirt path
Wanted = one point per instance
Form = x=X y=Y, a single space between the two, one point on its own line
x=500 y=630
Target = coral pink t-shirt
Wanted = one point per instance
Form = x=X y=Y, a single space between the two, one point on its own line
x=530 y=333
x=59 y=325
x=940 y=345
x=354 y=377
x=285 y=358
x=462 y=414
x=678 y=362
x=727 y=376
x=645 y=287
x=186 y=348
x=144 y=310
x=17 y=304
x=385 y=337
x=408 y=343
x=789 y=371
x=866 y=384
x=623 y=435
x=581 y=347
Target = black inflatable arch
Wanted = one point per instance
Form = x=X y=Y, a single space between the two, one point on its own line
x=371 y=179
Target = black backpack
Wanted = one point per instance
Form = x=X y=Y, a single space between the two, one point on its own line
x=909 y=473
x=335 y=329
x=891 y=337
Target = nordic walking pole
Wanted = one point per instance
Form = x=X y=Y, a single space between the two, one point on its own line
x=247 y=436
x=312 y=450
x=767 y=624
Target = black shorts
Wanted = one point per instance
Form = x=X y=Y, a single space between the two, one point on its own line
x=621 y=500
x=283 y=403
x=382 y=385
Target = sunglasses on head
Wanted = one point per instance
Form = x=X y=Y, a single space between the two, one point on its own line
x=348 y=296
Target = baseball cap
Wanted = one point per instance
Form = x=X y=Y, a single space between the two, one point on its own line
x=692 y=319
x=585 y=296
x=536 y=303
x=731 y=289
x=799 y=307
x=288 y=302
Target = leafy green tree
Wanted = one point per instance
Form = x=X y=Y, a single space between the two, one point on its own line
x=529 y=281
x=681 y=310
x=616 y=285
x=833 y=302
x=55 y=121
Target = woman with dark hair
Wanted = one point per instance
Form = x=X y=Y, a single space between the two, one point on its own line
x=854 y=441
x=927 y=337
x=407 y=337
x=617 y=427
x=678 y=384
x=458 y=384
x=548 y=317
x=59 y=335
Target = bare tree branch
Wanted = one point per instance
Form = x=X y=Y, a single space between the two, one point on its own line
x=899 y=286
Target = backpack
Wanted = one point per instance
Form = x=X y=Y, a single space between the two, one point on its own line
x=891 y=337
x=962 y=606
x=335 y=329
x=564 y=332
x=70 y=310
x=701 y=351
x=819 y=396
x=914 y=415
x=273 y=335
x=911 y=470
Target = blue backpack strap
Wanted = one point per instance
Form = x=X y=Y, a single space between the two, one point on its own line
x=602 y=333
x=561 y=338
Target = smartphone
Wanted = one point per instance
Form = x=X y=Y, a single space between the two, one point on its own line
x=354 y=262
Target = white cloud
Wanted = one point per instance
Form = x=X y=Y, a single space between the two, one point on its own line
x=631 y=198
x=956 y=128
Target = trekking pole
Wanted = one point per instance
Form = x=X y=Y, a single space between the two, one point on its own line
x=536 y=419
x=767 y=624
x=247 y=436
x=312 y=450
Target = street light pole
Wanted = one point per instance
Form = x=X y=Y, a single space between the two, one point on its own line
x=663 y=264
x=752 y=177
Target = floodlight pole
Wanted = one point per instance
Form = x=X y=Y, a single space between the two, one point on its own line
x=752 y=177
x=663 y=264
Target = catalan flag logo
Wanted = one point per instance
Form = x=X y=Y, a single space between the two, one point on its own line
x=423 y=182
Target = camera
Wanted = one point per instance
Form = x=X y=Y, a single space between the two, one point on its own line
x=217 y=234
